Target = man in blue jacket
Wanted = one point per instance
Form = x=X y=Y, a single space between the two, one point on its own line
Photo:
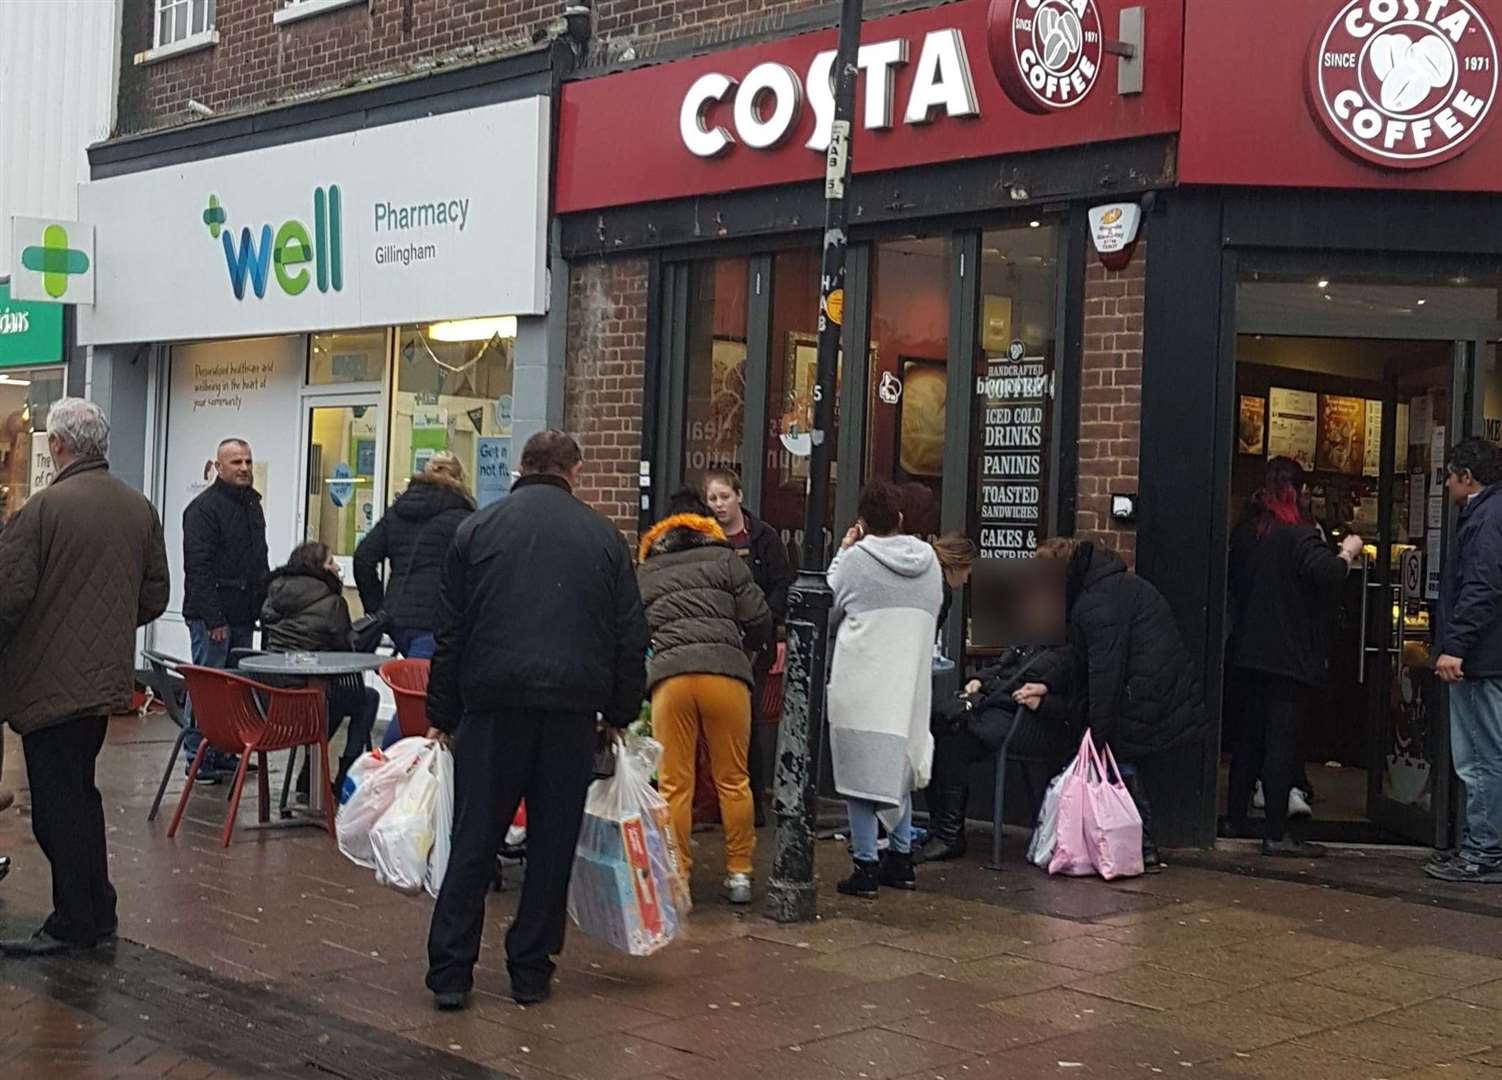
x=1470 y=659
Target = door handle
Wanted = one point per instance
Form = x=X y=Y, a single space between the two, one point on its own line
x=1361 y=633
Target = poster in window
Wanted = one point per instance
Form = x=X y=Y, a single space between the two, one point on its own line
x=1292 y=421
x=920 y=436
x=1341 y=446
x=792 y=426
x=1372 y=464
x=1251 y=427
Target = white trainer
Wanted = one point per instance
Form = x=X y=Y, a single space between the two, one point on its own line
x=1298 y=804
x=738 y=888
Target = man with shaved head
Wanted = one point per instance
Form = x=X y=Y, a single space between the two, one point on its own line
x=225 y=568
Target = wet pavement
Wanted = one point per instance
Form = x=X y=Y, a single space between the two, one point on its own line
x=279 y=958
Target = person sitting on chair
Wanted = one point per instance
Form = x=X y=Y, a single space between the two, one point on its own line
x=305 y=611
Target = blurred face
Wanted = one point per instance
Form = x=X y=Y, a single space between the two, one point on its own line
x=725 y=501
x=957 y=577
x=331 y=564
x=235 y=465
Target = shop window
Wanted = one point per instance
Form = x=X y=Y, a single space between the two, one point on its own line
x=453 y=392
x=26 y=395
x=716 y=376
x=790 y=398
x=356 y=356
x=178 y=20
x=909 y=349
x=1013 y=404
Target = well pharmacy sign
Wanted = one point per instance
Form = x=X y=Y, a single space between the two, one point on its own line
x=352 y=230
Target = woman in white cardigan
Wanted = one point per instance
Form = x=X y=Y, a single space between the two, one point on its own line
x=887 y=594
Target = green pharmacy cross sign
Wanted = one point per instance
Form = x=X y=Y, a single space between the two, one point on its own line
x=52 y=260
x=55 y=260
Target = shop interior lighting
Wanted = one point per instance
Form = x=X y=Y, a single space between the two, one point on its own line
x=6 y=380
x=1034 y=224
x=1323 y=283
x=474 y=329
x=1421 y=303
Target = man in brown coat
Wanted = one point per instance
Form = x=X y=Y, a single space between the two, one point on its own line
x=82 y=565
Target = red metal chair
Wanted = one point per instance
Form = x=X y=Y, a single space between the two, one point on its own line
x=408 y=680
x=229 y=713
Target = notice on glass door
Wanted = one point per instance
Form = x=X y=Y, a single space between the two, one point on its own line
x=1416 y=488
x=1372 y=465
x=1434 y=550
x=1015 y=390
x=1292 y=425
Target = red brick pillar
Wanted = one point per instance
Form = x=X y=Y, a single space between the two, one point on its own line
x=605 y=366
x=1110 y=399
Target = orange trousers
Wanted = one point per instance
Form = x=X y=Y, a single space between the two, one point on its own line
x=720 y=708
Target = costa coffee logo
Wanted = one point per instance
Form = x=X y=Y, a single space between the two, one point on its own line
x=1046 y=53
x=1405 y=83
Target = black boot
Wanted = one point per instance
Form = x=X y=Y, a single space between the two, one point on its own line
x=865 y=882
x=1151 y=862
x=946 y=824
x=897 y=870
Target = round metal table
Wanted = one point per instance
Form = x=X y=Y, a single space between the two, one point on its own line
x=319 y=669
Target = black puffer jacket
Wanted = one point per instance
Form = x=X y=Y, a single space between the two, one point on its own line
x=413 y=537
x=539 y=610
x=770 y=568
x=1285 y=588
x=225 y=564
x=1140 y=690
x=305 y=611
x=704 y=609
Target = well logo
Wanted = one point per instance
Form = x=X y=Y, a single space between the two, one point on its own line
x=292 y=254
x=55 y=260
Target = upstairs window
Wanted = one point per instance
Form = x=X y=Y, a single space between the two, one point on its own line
x=180 y=20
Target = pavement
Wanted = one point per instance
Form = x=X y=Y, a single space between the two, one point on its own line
x=277 y=957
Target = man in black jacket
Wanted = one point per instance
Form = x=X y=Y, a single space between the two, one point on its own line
x=225 y=569
x=540 y=636
x=1470 y=659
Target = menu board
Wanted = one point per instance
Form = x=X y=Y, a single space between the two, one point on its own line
x=1292 y=425
x=1014 y=392
x=1341 y=440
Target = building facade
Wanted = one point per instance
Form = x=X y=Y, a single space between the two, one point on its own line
x=1316 y=274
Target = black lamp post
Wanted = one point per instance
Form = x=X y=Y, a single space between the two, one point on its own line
x=791 y=895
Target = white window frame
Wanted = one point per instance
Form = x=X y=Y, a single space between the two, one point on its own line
x=296 y=10
x=192 y=41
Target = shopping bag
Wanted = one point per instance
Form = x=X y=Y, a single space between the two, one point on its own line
x=1071 y=856
x=403 y=840
x=443 y=823
x=368 y=791
x=1045 y=837
x=1113 y=826
x=628 y=890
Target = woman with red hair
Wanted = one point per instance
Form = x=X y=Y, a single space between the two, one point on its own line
x=1284 y=581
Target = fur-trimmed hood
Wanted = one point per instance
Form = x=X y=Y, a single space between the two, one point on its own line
x=680 y=533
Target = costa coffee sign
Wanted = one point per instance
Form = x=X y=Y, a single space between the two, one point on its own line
x=946 y=82
x=1046 y=53
x=768 y=102
x=1405 y=84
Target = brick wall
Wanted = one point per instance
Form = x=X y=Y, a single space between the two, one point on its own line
x=1110 y=399
x=605 y=363
x=257 y=63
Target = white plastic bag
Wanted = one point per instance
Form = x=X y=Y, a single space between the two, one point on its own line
x=443 y=824
x=368 y=792
x=406 y=835
x=1046 y=833
x=628 y=889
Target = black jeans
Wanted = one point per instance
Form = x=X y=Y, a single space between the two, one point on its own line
x=548 y=759
x=954 y=754
x=1268 y=747
x=67 y=817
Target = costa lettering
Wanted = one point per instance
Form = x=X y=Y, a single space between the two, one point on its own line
x=1404 y=83
x=766 y=106
x=1046 y=53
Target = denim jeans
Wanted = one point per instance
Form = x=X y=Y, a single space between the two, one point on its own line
x=414 y=645
x=863 y=828
x=1476 y=744
x=214 y=654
